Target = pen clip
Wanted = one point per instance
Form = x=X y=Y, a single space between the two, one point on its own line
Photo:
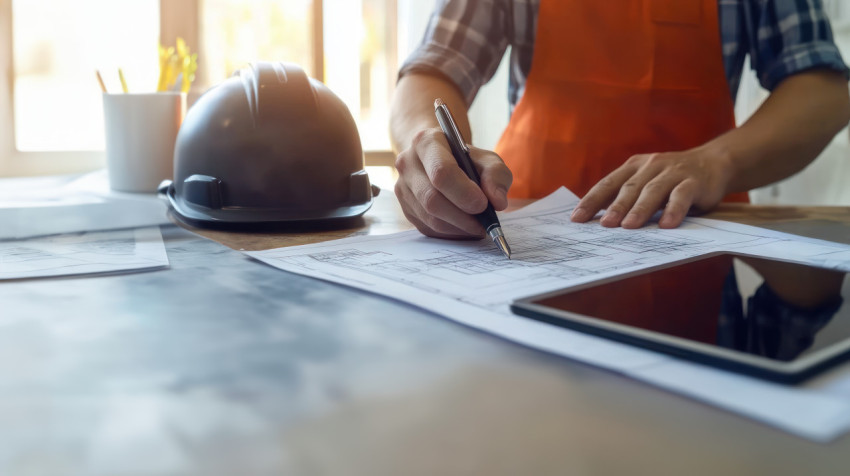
x=452 y=127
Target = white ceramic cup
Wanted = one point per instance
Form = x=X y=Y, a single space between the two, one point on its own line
x=141 y=130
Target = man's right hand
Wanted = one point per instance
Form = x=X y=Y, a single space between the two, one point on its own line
x=437 y=196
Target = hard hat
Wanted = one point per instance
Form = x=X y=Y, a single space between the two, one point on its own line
x=268 y=145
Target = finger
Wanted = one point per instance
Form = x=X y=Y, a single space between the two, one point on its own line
x=412 y=211
x=427 y=231
x=681 y=199
x=627 y=196
x=603 y=193
x=445 y=175
x=652 y=197
x=496 y=177
x=433 y=225
x=431 y=204
x=427 y=202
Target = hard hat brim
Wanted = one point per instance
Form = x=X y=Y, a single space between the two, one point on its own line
x=246 y=217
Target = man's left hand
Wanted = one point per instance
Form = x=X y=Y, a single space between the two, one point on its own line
x=646 y=183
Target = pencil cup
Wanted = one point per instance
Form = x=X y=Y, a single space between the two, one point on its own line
x=140 y=133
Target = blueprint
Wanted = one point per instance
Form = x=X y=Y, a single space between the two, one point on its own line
x=472 y=283
x=83 y=253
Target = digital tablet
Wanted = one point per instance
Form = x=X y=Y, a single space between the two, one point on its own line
x=771 y=319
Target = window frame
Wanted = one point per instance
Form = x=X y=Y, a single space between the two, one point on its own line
x=178 y=18
x=14 y=162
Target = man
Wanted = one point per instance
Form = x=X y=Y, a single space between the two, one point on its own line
x=628 y=103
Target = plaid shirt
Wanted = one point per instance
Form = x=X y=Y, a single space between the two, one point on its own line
x=466 y=39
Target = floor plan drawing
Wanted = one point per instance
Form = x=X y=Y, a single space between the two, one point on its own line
x=471 y=283
x=549 y=252
x=83 y=253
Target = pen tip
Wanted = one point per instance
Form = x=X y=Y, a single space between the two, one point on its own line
x=502 y=244
x=438 y=102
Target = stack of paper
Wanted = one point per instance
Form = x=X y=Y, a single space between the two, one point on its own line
x=55 y=226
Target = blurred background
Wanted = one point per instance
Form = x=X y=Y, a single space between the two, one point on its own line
x=55 y=123
x=51 y=118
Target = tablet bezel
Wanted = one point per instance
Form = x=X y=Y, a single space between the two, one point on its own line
x=784 y=372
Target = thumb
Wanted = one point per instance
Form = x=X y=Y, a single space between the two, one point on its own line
x=496 y=178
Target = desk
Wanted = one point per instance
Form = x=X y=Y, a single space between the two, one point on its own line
x=231 y=367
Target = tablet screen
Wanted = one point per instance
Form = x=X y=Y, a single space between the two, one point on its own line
x=770 y=309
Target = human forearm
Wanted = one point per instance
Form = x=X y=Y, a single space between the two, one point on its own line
x=413 y=108
x=787 y=132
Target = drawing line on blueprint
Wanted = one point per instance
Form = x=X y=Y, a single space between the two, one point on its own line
x=550 y=252
x=86 y=252
x=481 y=276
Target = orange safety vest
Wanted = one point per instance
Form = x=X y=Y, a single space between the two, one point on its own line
x=611 y=79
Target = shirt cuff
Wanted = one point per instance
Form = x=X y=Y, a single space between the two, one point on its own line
x=439 y=61
x=800 y=58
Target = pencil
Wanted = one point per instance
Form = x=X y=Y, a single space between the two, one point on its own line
x=100 y=80
x=123 y=81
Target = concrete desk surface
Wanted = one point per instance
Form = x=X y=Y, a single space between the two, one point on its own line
x=222 y=365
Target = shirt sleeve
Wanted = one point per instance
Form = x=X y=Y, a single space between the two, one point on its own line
x=463 y=42
x=788 y=37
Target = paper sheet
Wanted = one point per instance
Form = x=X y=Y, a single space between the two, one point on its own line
x=106 y=252
x=44 y=206
x=471 y=283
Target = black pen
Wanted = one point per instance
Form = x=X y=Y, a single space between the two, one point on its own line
x=460 y=151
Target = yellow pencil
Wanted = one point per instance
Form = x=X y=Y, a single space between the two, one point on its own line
x=123 y=81
x=100 y=80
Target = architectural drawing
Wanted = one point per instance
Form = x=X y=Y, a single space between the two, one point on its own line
x=549 y=252
x=472 y=284
x=83 y=253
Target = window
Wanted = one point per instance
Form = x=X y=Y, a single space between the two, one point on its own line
x=50 y=107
